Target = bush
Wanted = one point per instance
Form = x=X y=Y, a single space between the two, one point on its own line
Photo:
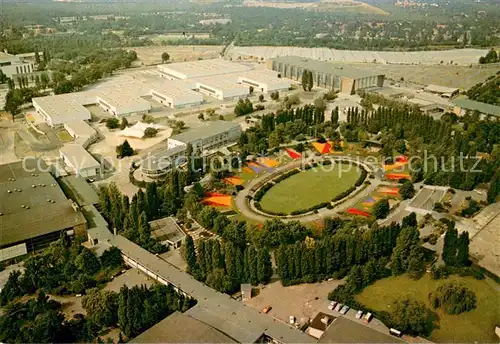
x=112 y=123
x=454 y=298
x=150 y=132
x=259 y=107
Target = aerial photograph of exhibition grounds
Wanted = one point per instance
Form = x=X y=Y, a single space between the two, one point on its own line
x=240 y=171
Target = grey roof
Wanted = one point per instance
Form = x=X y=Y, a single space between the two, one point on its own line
x=473 y=105
x=166 y=229
x=343 y=330
x=234 y=319
x=326 y=67
x=320 y=325
x=160 y=159
x=181 y=328
x=81 y=128
x=79 y=190
x=79 y=158
x=212 y=129
x=441 y=89
x=49 y=209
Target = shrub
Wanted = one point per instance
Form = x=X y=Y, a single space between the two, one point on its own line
x=453 y=298
x=112 y=123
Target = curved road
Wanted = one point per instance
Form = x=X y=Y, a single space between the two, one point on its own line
x=243 y=207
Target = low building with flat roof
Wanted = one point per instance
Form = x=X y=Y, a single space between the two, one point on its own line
x=167 y=232
x=201 y=68
x=81 y=132
x=319 y=324
x=182 y=328
x=445 y=92
x=33 y=209
x=463 y=105
x=214 y=135
x=264 y=81
x=222 y=88
x=157 y=164
x=122 y=104
x=171 y=94
x=343 y=330
x=60 y=109
x=79 y=160
x=326 y=74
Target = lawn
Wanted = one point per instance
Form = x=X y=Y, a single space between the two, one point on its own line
x=306 y=189
x=475 y=326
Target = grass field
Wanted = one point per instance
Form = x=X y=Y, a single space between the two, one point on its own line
x=475 y=326
x=306 y=189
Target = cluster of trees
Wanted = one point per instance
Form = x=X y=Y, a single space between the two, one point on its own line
x=335 y=255
x=487 y=91
x=453 y=297
x=124 y=150
x=408 y=256
x=381 y=208
x=243 y=107
x=15 y=98
x=133 y=309
x=307 y=80
x=63 y=268
x=455 y=247
x=455 y=155
x=490 y=57
x=225 y=265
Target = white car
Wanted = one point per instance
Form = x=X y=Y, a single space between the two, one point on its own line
x=338 y=307
x=344 y=310
x=359 y=314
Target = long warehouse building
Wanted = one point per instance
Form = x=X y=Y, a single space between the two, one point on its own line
x=326 y=74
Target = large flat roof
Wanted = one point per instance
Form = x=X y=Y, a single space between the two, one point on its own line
x=78 y=157
x=213 y=128
x=119 y=99
x=223 y=83
x=202 y=68
x=242 y=323
x=189 y=330
x=81 y=128
x=343 y=330
x=474 y=105
x=60 y=106
x=46 y=210
x=175 y=90
x=326 y=67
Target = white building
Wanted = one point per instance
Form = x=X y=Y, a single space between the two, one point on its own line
x=171 y=94
x=122 y=104
x=79 y=161
x=12 y=65
x=264 y=81
x=222 y=88
x=60 y=109
x=81 y=132
x=202 y=68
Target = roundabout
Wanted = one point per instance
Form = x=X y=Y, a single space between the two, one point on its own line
x=305 y=191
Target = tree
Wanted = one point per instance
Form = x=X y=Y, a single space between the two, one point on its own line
x=381 y=209
x=87 y=262
x=261 y=98
x=406 y=241
x=112 y=123
x=450 y=244
x=411 y=317
x=190 y=255
x=112 y=257
x=407 y=190
x=101 y=307
x=305 y=79
x=124 y=150
x=335 y=115
x=453 y=297
x=416 y=263
x=123 y=125
x=150 y=132
x=201 y=116
x=494 y=188
x=165 y=57
x=463 y=249
x=310 y=81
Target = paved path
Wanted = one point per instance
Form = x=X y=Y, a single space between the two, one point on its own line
x=244 y=208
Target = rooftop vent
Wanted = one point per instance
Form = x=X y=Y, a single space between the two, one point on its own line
x=1 y=214
x=23 y=206
x=27 y=207
x=33 y=186
x=9 y=191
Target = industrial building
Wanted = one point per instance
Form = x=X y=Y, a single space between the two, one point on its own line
x=173 y=95
x=264 y=81
x=201 y=68
x=60 y=109
x=222 y=88
x=205 y=139
x=12 y=65
x=122 y=104
x=79 y=161
x=215 y=135
x=445 y=92
x=464 y=105
x=81 y=132
x=33 y=209
x=167 y=232
x=326 y=74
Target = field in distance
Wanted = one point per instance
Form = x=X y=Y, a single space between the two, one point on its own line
x=321 y=6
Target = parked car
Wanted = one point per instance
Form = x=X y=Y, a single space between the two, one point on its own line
x=332 y=305
x=267 y=309
x=359 y=315
x=291 y=320
x=368 y=316
x=338 y=307
x=395 y=333
x=344 y=310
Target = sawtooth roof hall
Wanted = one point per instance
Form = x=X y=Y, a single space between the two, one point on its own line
x=326 y=74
